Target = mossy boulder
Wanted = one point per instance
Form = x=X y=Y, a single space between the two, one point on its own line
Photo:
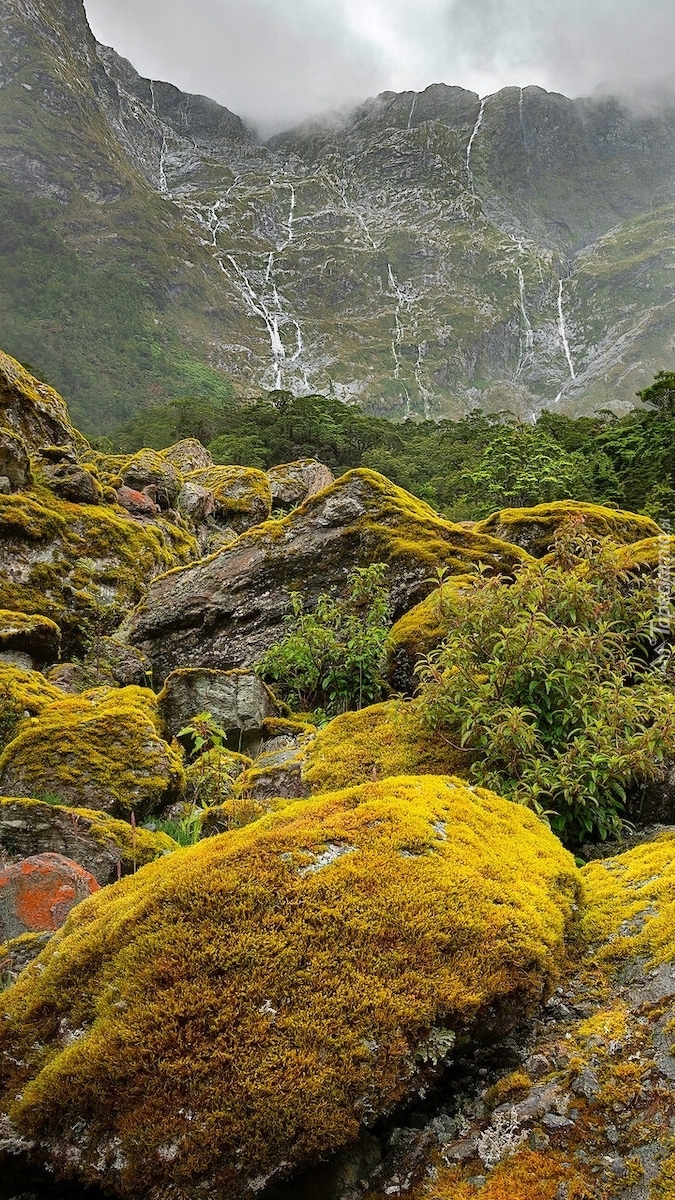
x=34 y=411
x=72 y=481
x=105 y=847
x=23 y=694
x=30 y=634
x=102 y=749
x=379 y=741
x=587 y=1111
x=225 y=611
x=420 y=631
x=246 y=1007
x=188 y=455
x=534 y=529
x=152 y=470
x=83 y=566
x=242 y=495
x=293 y=483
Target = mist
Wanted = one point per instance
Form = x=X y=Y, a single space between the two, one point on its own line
x=277 y=65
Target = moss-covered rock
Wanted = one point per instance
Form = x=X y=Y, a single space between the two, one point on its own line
x=103 y=846
x=73 y=482
x=246 y=1007
x=23 y=694
x=150 y=469
x=16 y=954
x=293 y=483
x=420 y=631
x=228 y=609
x=188 y=455
x=534 y=529
x=382 y=740
x=83 y=566
x=102 y=749
x=242 y=495
x=588 y=1111
x=34 y=411
x=28 y=633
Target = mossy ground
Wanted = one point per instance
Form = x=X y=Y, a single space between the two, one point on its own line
x=255 y=1000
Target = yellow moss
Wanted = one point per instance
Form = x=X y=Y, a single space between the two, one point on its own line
x=28 y=690
x=510 y=1087
x=632 y=903
x=663 y=1187
x=94 y=562
x=647 y=554
x=423 y=628
x=281 y=981
x=382 y=740
x=37 y=412
x=237 y=490
x=12 y=623
x=536 y=527
x=100 y=749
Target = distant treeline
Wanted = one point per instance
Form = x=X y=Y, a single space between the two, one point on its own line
x=464 y=469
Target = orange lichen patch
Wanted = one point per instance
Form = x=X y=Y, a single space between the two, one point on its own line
x=37 y=894
x=288 y=982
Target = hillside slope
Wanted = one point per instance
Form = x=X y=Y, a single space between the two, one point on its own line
x=434 y=253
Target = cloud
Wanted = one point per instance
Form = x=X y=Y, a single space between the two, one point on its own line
x=275 y=64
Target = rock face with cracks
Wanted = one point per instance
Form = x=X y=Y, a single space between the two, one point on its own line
x=224 y=1019
x=226 y=610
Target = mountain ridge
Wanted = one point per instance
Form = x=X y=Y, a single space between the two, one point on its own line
x=432 y=253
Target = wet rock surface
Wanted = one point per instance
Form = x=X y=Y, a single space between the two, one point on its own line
x=225 y=611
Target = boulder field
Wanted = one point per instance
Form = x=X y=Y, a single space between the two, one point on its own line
x=369 y=977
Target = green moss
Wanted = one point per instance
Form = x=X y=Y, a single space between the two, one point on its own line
x=281 y=982
x=376 y=742
x=101 y=749
x=93 y=562
x=535 y=528
x=242 y=494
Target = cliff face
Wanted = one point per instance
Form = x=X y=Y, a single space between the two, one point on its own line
x=433 y=253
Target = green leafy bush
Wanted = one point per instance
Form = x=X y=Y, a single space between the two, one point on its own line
x=332 y=658
x=545 y=685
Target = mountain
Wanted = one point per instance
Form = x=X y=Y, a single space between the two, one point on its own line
x=432 y=253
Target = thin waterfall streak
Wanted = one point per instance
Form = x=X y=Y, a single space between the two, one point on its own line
x=563 y=331
x=474 y=134
x=412 y=110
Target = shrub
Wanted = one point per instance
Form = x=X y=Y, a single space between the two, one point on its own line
x=332 y=658
x=545 y=685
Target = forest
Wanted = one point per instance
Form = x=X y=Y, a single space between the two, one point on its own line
x=465 y=469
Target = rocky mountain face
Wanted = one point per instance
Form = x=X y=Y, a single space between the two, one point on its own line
x=433 y=253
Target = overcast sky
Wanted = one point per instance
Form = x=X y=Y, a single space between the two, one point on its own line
x=275 y=62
